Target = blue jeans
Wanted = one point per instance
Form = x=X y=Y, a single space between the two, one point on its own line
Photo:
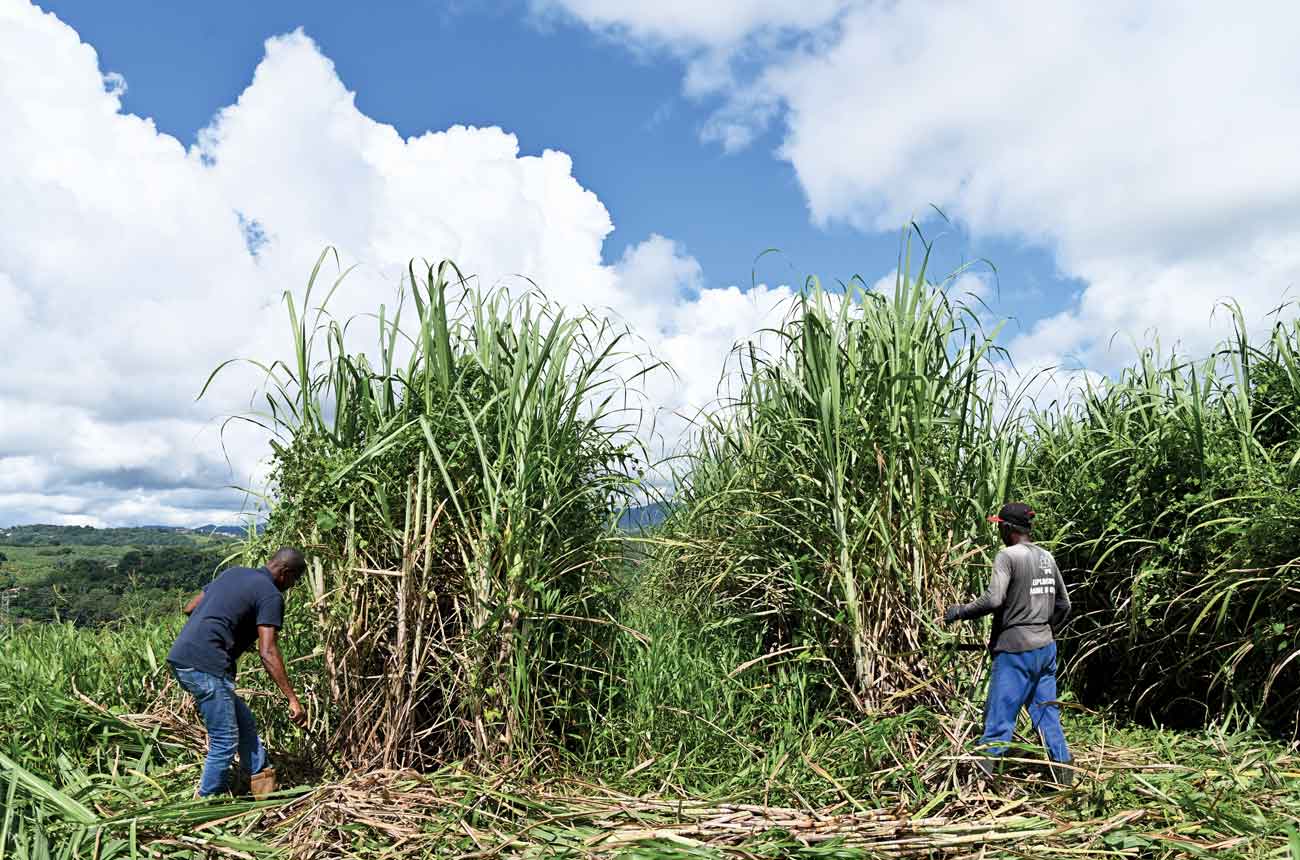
x=230 y=726
x=1028 y=680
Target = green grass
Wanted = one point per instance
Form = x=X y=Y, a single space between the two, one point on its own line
x=692 y=764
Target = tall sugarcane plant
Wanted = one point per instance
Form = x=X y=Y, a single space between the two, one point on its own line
x=458 y=490
x=1169 y=495
x=837 y=498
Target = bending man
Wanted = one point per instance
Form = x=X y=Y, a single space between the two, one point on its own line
x=241 y=606
x=1028 y=600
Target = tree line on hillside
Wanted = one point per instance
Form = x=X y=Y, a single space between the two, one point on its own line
x=53 y=536
x=90 y=592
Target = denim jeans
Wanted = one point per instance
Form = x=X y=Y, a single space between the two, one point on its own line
x=1028 y=680
x=230 y=726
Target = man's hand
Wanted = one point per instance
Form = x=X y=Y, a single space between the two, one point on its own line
x=952 y=615
x=297 y=713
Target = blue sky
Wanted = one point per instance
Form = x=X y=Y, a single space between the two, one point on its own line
x=635 y=137
x=630 y=156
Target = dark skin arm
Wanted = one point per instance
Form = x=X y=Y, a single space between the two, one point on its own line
x=269 y=651
x=193 y=604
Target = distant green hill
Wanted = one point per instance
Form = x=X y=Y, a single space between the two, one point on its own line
x=229 y=531
x=140 y=536
x=92 y=576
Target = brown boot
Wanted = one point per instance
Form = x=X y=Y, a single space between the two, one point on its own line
x=262 y=783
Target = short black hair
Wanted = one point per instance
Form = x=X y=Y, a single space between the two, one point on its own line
x=289 y=559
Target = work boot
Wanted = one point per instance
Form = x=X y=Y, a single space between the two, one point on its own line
x=262 y=783
x=984 y=767
x=1062 y=773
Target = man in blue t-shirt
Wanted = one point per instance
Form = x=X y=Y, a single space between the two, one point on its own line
x=241 y=606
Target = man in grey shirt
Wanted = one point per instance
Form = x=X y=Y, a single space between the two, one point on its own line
x=1028 y=600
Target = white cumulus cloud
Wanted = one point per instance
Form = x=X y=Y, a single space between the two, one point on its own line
x=1150 y=147
x=685 y=25
x=131 y=265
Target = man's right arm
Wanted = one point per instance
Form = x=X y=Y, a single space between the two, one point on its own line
x=193 y=604
x=993 y=596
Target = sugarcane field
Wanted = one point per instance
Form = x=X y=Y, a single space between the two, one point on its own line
x=488 y=665
x=364 y=494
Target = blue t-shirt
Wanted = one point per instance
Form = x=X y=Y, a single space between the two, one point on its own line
x=224 y=624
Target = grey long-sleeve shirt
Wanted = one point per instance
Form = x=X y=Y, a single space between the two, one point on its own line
x=1026 y=596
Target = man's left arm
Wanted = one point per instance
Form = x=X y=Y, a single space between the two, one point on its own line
x=273 y=661
x=193 y=604
x=1061 y=607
